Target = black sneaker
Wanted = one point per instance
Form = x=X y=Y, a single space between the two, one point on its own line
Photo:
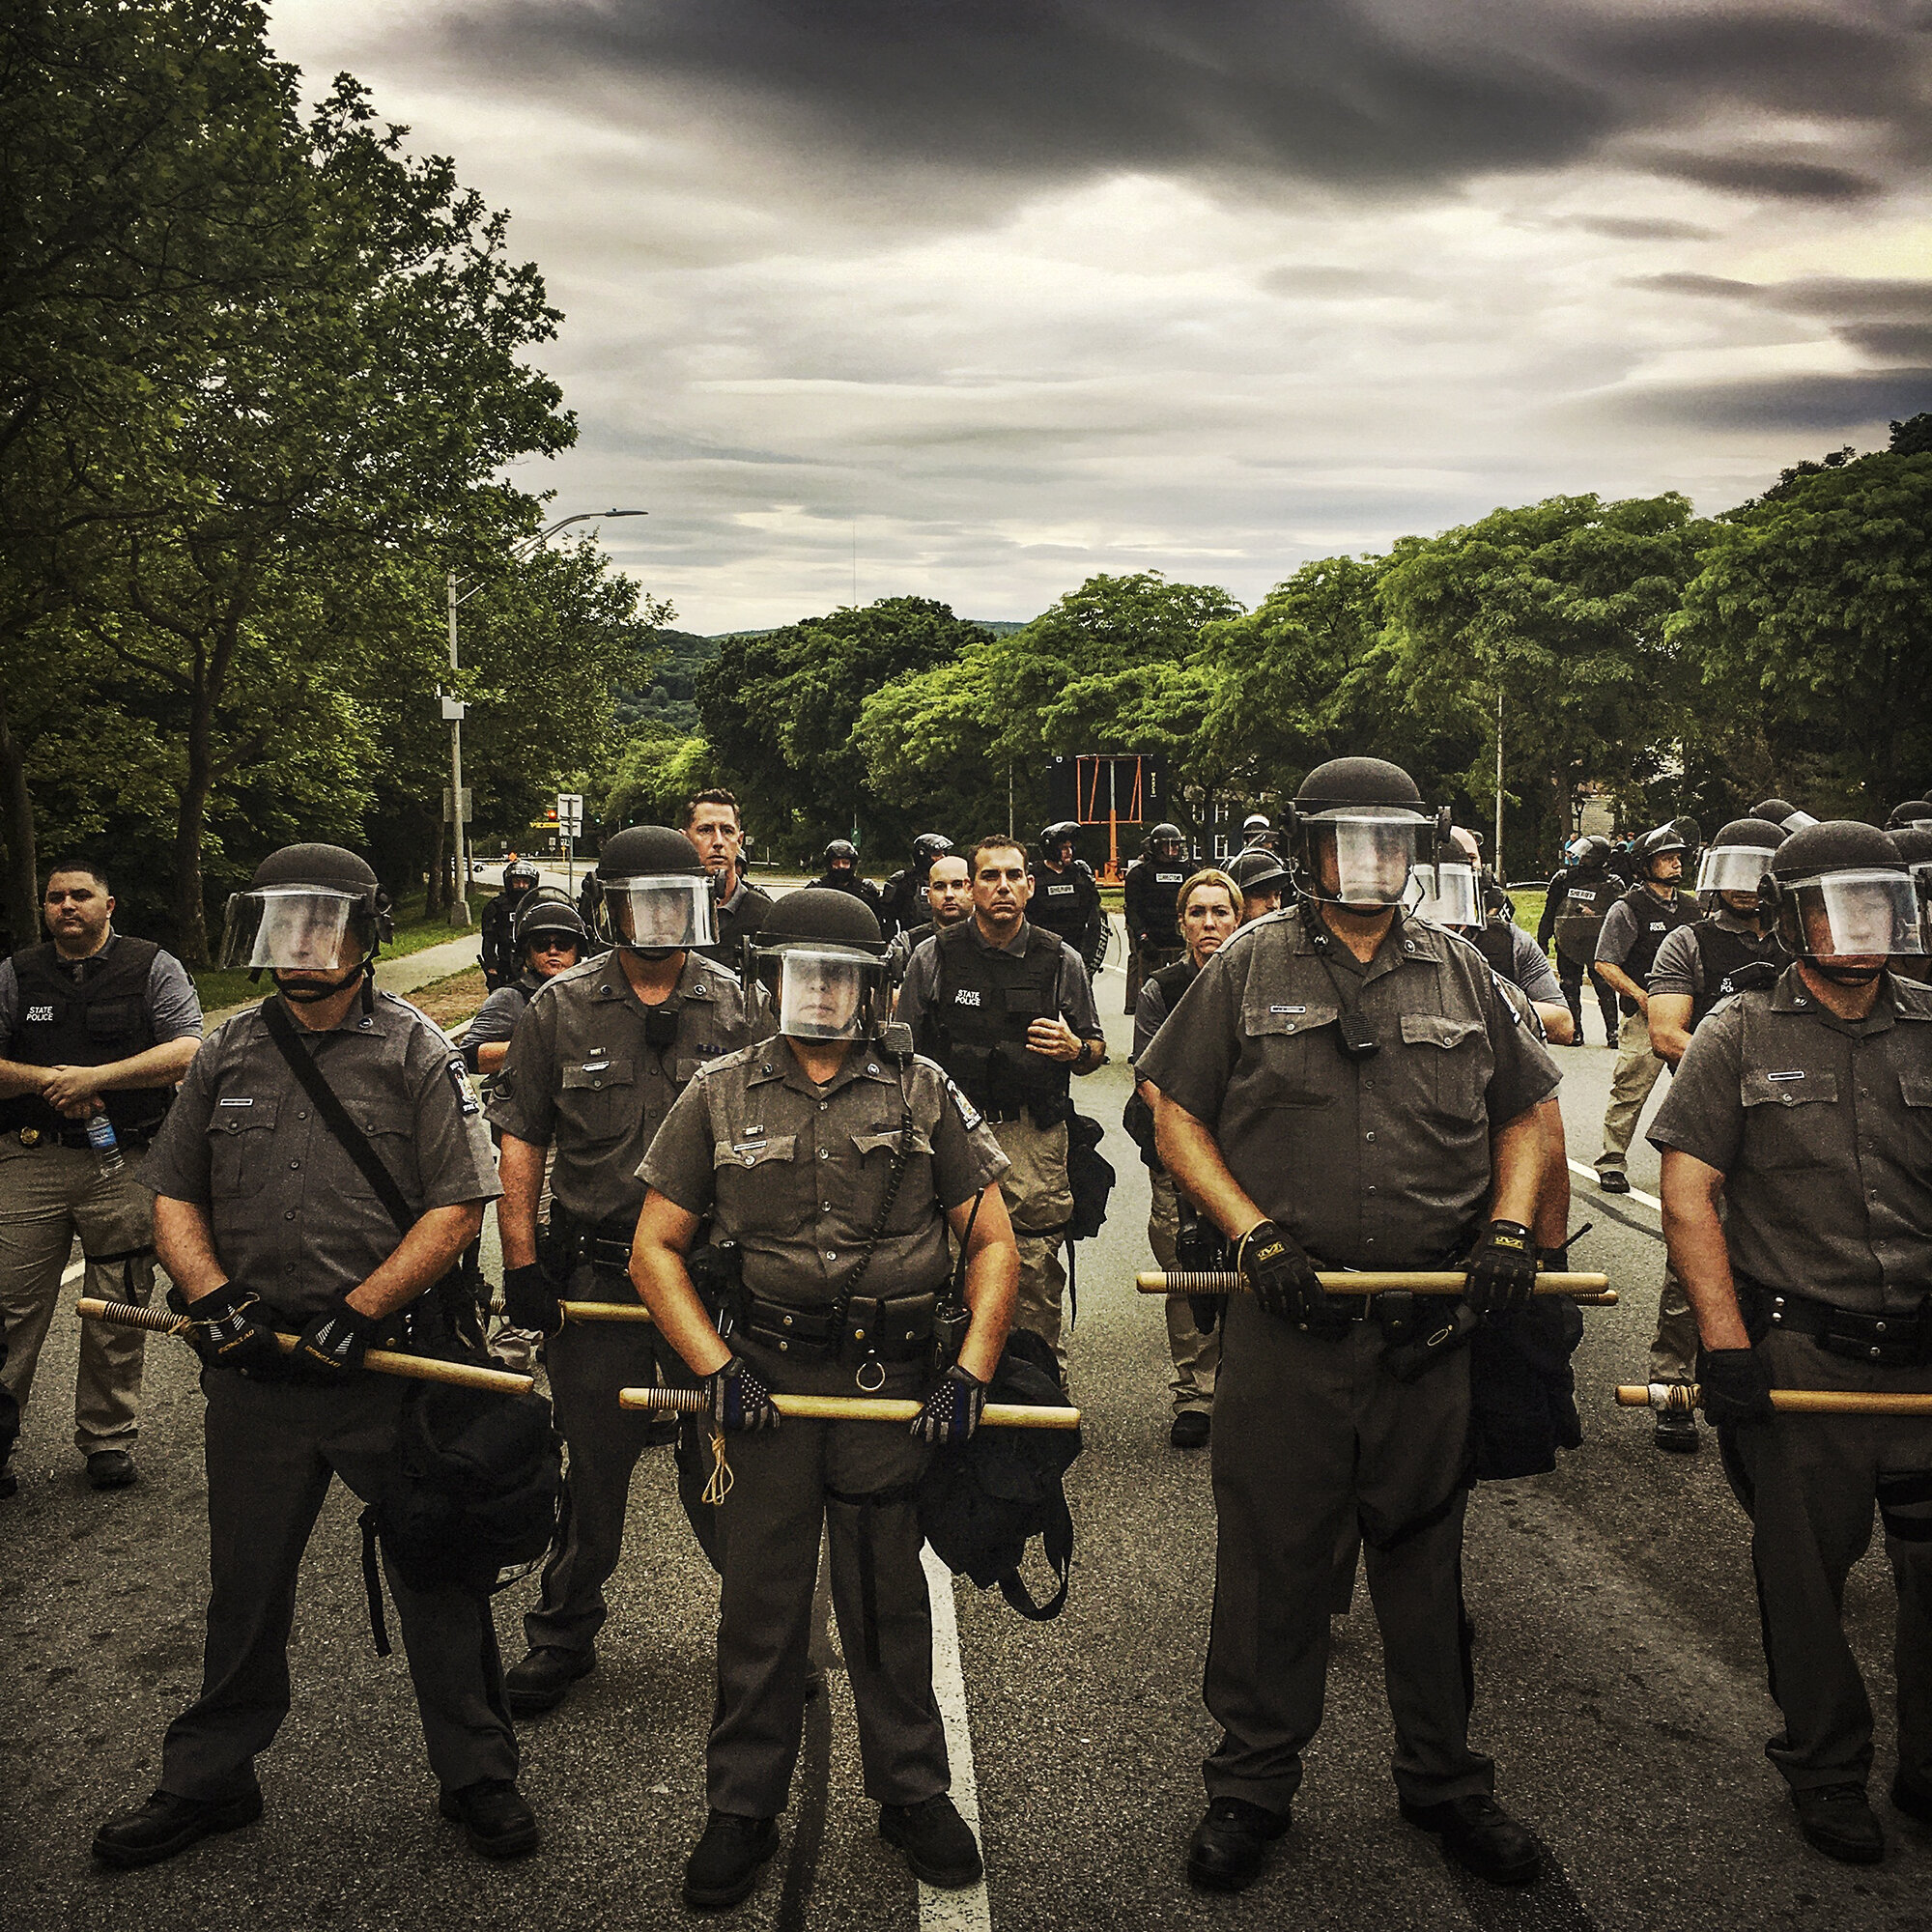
x=166 y=1824
x=1190 y=1430
x=111 y=1470
x=938 y=1843
x=1677 y=1435
x=1481 y=1836
x=494 y=1817
x=1614 y=1180
x=539 y=1681
x=1837 y=1820
x=723 y=1865
x=1230 y=1844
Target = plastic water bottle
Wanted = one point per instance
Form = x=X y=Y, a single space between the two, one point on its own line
x=102 y=1139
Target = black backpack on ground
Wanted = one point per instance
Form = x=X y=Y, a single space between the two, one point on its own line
x=979 y=1506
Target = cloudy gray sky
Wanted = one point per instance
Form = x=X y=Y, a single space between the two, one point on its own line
x=991 y=294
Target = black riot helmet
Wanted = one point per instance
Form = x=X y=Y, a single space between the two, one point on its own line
x=1915 y=847
x=1258 y=872
x=817 y=955
x=314 y=912
x=1782 y=812
x=1913 y=811
x=842 y=852
x=518 y=876
x=1655 y=845
x=546 y=912
x=925 y=849
x=1737 y=861
x=1165 y=841
x=1362 y=821
x=1844 y=899
x=1258 y=829
x=653 y=892
x=1064 y=833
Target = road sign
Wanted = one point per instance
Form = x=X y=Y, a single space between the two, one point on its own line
x=454 y=709
x=570 y=811
x=469 y=804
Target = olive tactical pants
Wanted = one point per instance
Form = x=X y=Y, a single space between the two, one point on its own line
x=1306 y=1433
x=1195 y=1356
x=1637 y=1071
x=787 y=1484
x=1041 y=1203
x=49 y=1195
x=272 y=1448
x=1810 y=1483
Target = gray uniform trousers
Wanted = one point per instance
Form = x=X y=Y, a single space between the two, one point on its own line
x=1809 y=1483
x=272 y=1448
x=589 y=1363
x=1305 y=1433
x=783 y=1484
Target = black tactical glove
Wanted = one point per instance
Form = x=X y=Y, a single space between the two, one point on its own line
x=740 y=1402
x=1502 y=1271
x=1736 y=1385
x=333 y=1345
x=227 y=1334
x=1282 y=1280
x=1199 y=1245
x=952 y=1410
x=531 y=1300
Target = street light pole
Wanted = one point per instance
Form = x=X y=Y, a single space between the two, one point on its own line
x=453 y=708
x=1497 y=854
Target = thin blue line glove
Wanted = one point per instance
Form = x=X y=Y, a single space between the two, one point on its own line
x=740 y=1402
x=952 y=1410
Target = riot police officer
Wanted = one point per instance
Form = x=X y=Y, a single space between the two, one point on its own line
x=1257 y=834
x=264 y=1221
x=1263 y=879
x=1345 y=1083
x=1457 y=894
x=1574 y=909
x=594 y=1065
x=1913 y=811
x=500 y=964
x=1627 y=948
x=549 y=937
x=1066 y=901
x=842 y=875
x=835 y=1169
x=901 y=904
x=1915 y=847
x=1807 y=1106
x=1150 y=891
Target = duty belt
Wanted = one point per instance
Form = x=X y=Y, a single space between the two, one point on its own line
x=129 y=1142
x=1890 y=1341
x=605 y=1244
x=897 y=1329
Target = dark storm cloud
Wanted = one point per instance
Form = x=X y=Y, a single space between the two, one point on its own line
x=1720 y=286
x=1871 y=312
x=1832 y=403
x=1637 y=228
x=1889 y=341
x=1363 y=92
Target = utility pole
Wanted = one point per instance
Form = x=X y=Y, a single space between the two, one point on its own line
x=452 y=709
x=1496 y=852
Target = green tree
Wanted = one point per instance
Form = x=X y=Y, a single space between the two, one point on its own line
x=1814 y=608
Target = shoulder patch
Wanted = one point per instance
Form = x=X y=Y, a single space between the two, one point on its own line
x=466 y=1093
x=970 y=1116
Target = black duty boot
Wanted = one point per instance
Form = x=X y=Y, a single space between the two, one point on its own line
x=1481 y=1836
x=723 y=1865
x=112 y=1469
x=1837 y=1820
x=539 y=1681
x=1614 y=1180
x=1676 y=1432
x=166 y=1824
x=1190 y=1430
x=938 y=1843
x=1230 y=1844
x=494 y=1817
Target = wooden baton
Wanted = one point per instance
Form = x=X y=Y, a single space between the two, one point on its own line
x=605 y=1311
x=384 y=1361
x=851 y=1409
x=1680 y=1396
x=1592 y=1289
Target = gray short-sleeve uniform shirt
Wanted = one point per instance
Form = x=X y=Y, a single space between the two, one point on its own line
x=292 y=1217
x=1680 y=960
x=1379 y=1162
x=581 y=1071
x=1822 y=1128
x=795 y=1173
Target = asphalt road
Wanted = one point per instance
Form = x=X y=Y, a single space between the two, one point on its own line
x=1619 y=1685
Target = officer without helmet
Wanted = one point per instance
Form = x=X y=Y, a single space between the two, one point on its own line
x=949 y=899
x=1348 y=1085
x=594 y=1065
x=836 y=1169
x=1808 y=1108
x=716 y=834
x=265 y=1221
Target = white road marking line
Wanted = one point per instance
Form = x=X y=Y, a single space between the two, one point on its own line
x=1636 y=1193
x=76 y=1269
x=968 y=1910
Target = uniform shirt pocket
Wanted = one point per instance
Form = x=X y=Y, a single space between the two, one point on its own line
x=597 y=1097
x=241 y=1143
x=913 y=1204
x=1295 y=1049
x=1449 y=1061
x=1915 y=1085
x=759 y=1153
x=1790 y=1116
x=762 y=1185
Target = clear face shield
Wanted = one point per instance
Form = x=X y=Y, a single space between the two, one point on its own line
x=1731 y=869
x=666 y=914
x=1451 y=894
x=1853 y=916
x=298 y=929
x=824 y=995
x=1360 y=862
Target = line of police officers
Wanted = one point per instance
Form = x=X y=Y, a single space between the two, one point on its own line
x=1340 y=1083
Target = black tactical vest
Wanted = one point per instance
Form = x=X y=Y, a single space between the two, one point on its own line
x=1654 y=924
x=1062 y=902
x=1174 y=980
x=1497 y=942
x=1722 y=953
x=1152 y=888
x=103 y=1018
x=1587 y=897
x=975 y=1024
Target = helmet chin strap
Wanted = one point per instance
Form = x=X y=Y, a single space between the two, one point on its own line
x=310 y=992
x=1845 y=976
